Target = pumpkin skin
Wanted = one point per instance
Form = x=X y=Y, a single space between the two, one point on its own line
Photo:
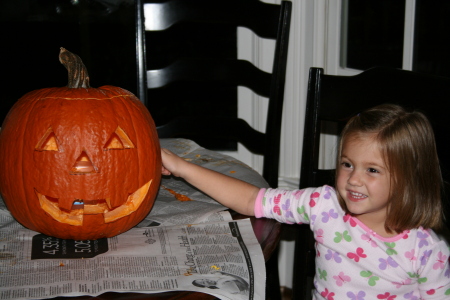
x=94 y=145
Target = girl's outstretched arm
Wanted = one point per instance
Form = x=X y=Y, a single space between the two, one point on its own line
x=231 y=192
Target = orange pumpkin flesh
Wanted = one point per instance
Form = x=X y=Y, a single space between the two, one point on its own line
x=79 y=162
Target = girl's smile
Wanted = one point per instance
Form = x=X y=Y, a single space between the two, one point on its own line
x=364 y=180
x=355 y=197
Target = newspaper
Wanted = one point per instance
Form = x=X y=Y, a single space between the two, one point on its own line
x=203 y=250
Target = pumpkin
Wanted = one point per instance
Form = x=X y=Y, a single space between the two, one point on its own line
x=78 y=162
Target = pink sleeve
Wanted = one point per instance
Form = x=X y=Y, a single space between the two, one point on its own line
x=259 y=212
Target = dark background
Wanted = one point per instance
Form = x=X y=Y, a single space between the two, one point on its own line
x=375 y=35
x=102 y=33
x=32 y=32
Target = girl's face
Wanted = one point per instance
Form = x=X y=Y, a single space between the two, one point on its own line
x=363 y=179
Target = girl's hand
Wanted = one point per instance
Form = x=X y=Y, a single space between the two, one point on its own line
x=170 y=163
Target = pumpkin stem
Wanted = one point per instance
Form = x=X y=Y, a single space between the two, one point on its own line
x=78 y=75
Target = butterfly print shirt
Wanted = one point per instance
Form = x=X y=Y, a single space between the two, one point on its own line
x=352 y=261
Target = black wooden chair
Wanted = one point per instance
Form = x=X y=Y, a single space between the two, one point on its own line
x=337 y=98
x=268 y=21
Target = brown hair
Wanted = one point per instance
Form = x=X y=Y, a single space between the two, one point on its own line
x=406 y=141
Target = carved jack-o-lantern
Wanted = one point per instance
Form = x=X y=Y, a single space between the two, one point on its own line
x=78 y=162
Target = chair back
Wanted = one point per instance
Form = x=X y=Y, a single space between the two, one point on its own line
x=268 y=21
x=335 y=99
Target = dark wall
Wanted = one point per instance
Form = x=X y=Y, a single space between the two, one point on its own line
x=101 y=32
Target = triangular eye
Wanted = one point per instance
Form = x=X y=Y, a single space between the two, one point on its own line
x=48 y=142
x=118 y=140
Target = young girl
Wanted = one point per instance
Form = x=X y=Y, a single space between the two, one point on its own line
x=374 y=231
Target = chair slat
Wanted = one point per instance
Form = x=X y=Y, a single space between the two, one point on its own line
x=212 y=71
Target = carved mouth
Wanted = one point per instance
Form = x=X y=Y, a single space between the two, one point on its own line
x=93 y=207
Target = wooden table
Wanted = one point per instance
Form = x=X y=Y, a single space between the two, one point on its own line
x=267 y=232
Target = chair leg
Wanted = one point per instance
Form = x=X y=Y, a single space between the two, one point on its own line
x=273 y=291
x=304 y=263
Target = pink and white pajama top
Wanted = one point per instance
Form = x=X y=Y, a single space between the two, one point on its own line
x=352 y=261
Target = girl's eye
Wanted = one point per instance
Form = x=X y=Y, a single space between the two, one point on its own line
x=346 y=165
x=372 y=170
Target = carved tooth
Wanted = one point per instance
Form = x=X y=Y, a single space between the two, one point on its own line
x=95 y=209
x=108 y=202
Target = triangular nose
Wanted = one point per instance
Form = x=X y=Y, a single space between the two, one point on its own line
x=83 y=165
